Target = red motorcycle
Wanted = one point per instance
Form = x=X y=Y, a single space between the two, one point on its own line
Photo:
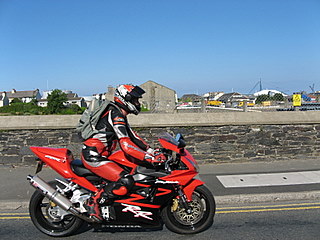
x=167 y=194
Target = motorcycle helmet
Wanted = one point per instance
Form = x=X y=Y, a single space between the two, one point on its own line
x=127 y=97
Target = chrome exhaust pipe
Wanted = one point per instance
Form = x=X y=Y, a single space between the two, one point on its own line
x=56 y=197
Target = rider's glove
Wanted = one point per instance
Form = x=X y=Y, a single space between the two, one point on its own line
x=154 y=151
x=155 y=160
x=151 y=151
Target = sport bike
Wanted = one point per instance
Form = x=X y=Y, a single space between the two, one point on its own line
x=168 y=194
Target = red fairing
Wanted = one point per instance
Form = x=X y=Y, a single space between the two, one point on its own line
x=189 y=189
x=184 y=177
x=59 y=160
x=168 y=145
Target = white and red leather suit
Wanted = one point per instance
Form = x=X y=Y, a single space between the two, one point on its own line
x=113 y=128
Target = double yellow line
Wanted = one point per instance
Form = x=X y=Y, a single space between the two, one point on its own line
x=6 y=216
x=220 y=210
x=269 y=208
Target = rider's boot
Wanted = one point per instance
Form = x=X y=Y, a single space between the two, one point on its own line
x=119 y=188
x=92 y=207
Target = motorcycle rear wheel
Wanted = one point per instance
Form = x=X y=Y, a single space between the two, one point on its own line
x=45 y=216
x=203 y=208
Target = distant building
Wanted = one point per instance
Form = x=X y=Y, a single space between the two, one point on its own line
x=313 y=97
x=233 y=99
x=88 y=100
x=110 y=93
x=4 y=100
x=158 y=98
x=74 y=99
x=24 y=96
x=268 y=92
x=212 y=96
x=192 y=99
x=42 y=103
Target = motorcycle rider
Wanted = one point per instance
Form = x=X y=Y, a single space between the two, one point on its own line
x=114 y=128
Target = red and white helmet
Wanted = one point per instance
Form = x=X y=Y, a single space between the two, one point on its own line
x=127 y=97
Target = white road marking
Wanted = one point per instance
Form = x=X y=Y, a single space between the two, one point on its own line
x=269 y=179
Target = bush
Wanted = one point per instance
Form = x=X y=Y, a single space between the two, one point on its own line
x=72 y=109
x=144 y=109
x=22 y=108
x=17 y=107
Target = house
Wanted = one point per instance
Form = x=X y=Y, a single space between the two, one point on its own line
x=212 y=96
x=233 y=99
x=110 y=93
x=24 y=96
x=74 y=99
x=158 y=98
x=88 y=100
x=4 y=100
x=192 y=99
x=42 y=103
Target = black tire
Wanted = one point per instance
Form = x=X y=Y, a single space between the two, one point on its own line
x=203 y=206
x=42 y=215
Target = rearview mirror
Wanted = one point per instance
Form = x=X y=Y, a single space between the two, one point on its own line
x=180 y=140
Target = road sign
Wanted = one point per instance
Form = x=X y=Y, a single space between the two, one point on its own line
x=296 y=100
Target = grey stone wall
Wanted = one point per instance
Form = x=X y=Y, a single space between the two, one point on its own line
x=208 y=144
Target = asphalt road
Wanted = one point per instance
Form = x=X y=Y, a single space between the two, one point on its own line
x=15 y=188
x=267 y=218
x=286 y=220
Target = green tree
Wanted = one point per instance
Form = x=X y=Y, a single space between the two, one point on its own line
x=278 y=97
x=56 y=101
x=34 y=101
x=262 y=98
x=16 y=100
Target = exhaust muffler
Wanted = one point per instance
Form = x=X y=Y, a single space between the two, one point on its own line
x=54 y=196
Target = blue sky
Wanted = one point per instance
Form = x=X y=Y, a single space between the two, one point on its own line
x=191 y=46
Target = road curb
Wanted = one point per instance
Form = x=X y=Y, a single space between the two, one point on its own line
x=267 y=197
x=220 y=200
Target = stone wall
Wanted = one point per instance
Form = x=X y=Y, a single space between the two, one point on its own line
x=208 y=144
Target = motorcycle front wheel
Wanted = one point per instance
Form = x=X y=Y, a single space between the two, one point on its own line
x=200 y=219
x=50 y=218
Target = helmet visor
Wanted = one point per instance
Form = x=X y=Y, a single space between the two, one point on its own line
x=137 y=92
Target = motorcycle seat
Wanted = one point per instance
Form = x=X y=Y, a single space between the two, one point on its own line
x=79 y=169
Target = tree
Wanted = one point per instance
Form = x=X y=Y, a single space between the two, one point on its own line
x=262 y=98
x=34 y=101
x=278 y=97
x=16 y=100
x=56 y=101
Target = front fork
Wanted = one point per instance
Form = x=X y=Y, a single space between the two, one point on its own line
x=185 y=194
x=183 y=201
